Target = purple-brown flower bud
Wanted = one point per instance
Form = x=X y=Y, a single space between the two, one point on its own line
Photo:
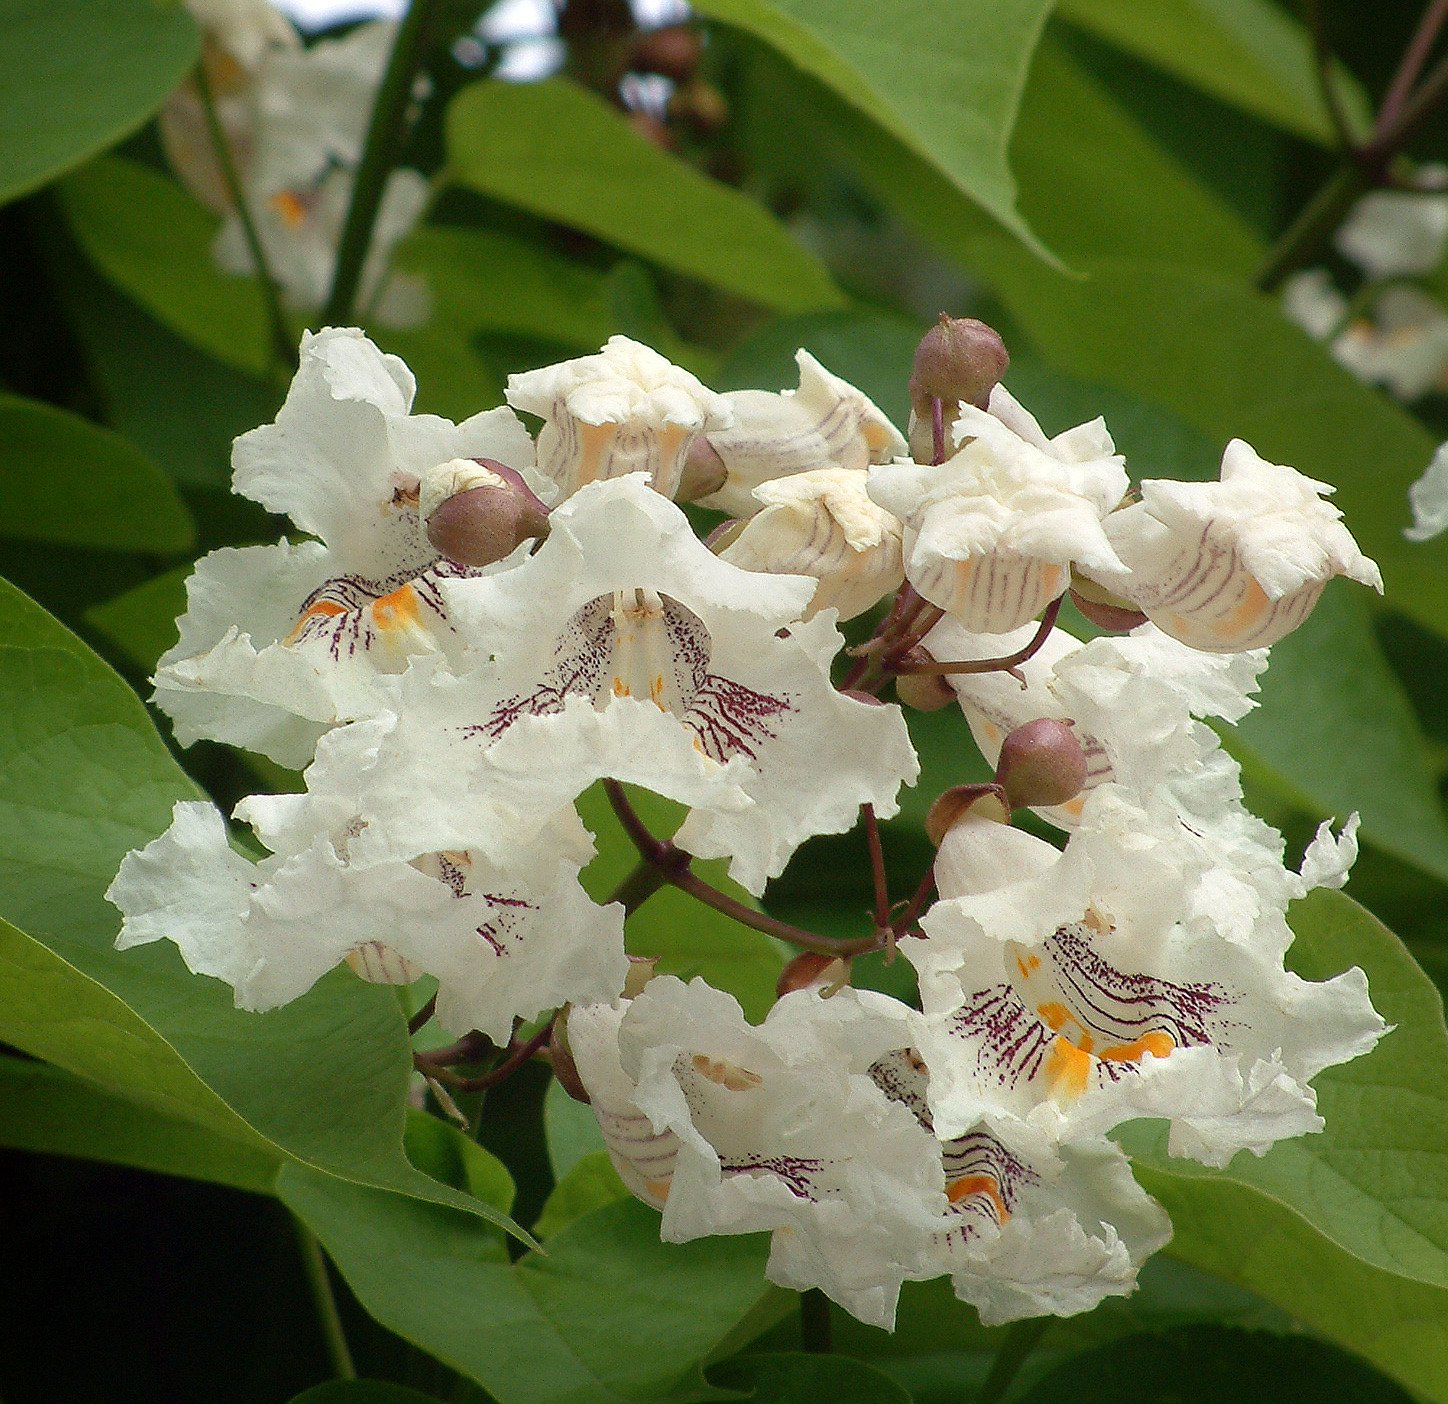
x=673 y=51
x=959 y=361
x=978 y=801
x=1041 y=763
x=560 y=1056
x=925 y=692
x=811 y=968
x=1104 y=609
x=492 y=512
x=703 y=473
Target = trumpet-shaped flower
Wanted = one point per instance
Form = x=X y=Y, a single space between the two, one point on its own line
x=625 y=410
x=992 y=533
x=1429 y=499
x=623 y=647
x=1032 y=1227
x=825 y=423
x=504 y=943
x=735 y=1128
x=281 y=642
x=1130 y=699
x=1079 y=989
x=823 y=524
x=1236 y=564
x=1399 y=233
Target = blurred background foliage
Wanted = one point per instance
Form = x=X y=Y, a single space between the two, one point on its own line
x=1101 y=179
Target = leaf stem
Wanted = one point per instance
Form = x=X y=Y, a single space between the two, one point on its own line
x=283 y=346
x=1414 y=57
x=673 y=863
x=1022 y=1339
x=319 y=1283
x=379 y=156
x=422 y=1016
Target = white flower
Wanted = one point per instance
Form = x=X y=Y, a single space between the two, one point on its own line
x=1032 y=1227
x=281 y=642
x=1429 y=499
x=244 y=29
x=1078 y=990
x=823 y=524
x=504 y=943
x=1398 y=233
x=992 y=533
x=623 y=647
x=295 y=120
x=733 y=1128
x=1403 y=348
x=1131 y=700
x=825 y=423
x=1234 y=564
x=1310 y=299
x=625 y=410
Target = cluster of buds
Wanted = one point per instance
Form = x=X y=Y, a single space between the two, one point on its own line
x=488 y=621
x=294 y=121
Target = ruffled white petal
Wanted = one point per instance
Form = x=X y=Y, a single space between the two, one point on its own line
x=1429 y=499
x=825 y=423
x=244 y=29
x=625 y=410
x=1098 y=986
x=991 y=534
x=1396 y=233
x=823 y=524
x=1310 y=299
x=1234 y=564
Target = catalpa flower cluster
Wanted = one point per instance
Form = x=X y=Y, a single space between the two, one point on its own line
x=478 y=623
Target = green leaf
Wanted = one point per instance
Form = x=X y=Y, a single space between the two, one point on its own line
x=946 y=86
x=1249 y=53
x=807 y=1379
x=65 y=480
x=555 y=149
x=1336 y=733
x=153 y=241
x=1347 y=1229
x=47 y=1111
x=570 y=1130
x=1375 y=1181
x=78 y=75
x=1213 y=1365
x=362 y=1392
x=609 y=1314
x=454 y=1159
x=589 y=1185
x=142 y=622
x=84 y=778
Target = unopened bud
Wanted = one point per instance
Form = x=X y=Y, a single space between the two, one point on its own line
x=926 y=692
x=673 y=51
x=700 y=104
x=560 y=1056
x=986 y=802
x=809 y=970
x=1104 y=609
x=959 y=361
x=487 y=514
x=640 y=972
x=703 y=473
x=1041 y=763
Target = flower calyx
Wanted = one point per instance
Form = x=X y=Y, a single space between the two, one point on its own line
x=477 y=511
x=1041 y=763
x=986 y=802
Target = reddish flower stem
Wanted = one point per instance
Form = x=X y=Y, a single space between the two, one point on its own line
x=1008 y=664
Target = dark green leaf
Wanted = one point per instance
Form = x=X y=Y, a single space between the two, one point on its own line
x=78 y=75
x=589 y=1185
x=65 y=480
x=609 y=1314
x=807 y=1379
x=945 y=85
x=557 y=150
x=48 y=1111
x=1214 y=1365
x=362 y=1392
